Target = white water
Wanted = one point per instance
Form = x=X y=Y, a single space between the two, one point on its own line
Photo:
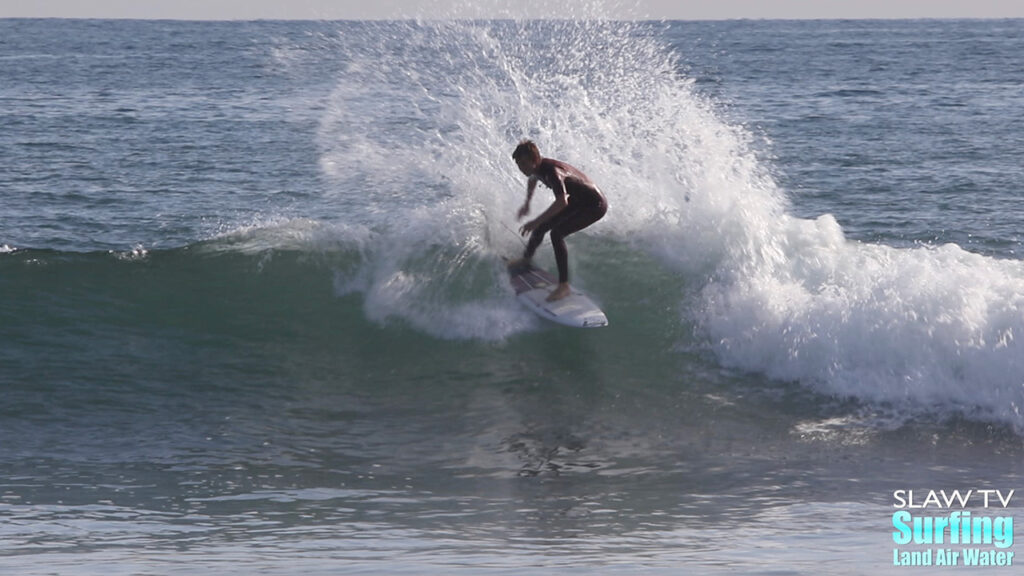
x=416 y=141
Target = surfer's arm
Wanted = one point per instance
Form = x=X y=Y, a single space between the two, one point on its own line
x=531 y=185
x=560 y=203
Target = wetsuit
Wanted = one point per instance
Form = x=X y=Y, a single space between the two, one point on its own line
x=586 y=205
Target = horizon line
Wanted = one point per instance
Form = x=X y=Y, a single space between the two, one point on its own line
x=511 y=19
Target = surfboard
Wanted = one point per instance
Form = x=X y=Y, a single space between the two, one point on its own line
x=532 y=286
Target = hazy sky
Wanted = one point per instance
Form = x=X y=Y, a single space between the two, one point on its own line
x=621 y=9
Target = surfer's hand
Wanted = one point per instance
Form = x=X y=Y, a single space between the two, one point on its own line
x=528 y=227
x=523 y=211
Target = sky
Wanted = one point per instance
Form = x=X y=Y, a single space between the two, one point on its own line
x=447 y=9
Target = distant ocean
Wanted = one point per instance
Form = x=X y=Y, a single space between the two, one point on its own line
x=254 y=318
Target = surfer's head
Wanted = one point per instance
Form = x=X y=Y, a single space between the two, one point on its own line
x=527 y=157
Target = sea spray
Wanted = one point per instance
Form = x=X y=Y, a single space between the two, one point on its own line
x=420 y=153
x=416 y=137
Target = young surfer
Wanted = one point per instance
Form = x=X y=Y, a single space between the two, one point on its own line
x=578 y=204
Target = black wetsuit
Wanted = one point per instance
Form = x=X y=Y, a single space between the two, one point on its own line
x=586 y=205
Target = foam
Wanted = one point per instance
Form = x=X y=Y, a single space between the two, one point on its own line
x=415 y=141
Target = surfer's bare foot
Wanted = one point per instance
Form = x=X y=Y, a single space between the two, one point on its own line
x=558 y=293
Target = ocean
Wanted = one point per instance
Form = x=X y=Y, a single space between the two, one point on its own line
x=255 y=319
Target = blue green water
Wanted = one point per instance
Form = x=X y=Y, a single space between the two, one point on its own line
x=254 y=318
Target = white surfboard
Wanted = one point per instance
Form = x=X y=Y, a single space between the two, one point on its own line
x=532 y=286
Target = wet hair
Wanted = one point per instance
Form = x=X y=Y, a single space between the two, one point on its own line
x=526 y=149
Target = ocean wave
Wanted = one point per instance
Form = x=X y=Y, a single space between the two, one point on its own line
x=928 y=328
x=416 y=166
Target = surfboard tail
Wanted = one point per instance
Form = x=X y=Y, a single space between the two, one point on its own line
x=533 y=285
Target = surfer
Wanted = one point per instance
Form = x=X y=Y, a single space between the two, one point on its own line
x=578 y=204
